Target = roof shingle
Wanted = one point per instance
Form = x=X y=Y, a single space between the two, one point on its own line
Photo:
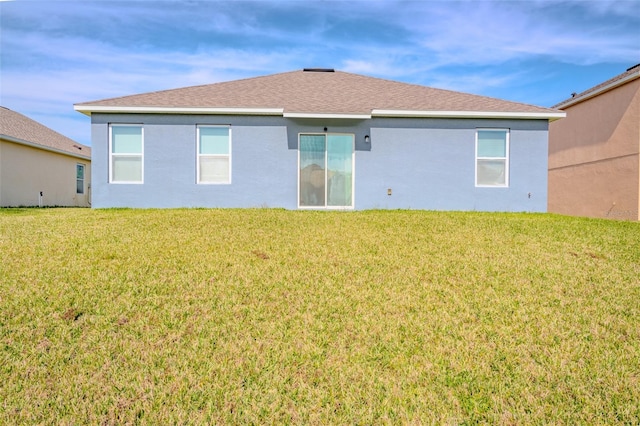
x=317 y=92
x=630 y=74
x=17 y=127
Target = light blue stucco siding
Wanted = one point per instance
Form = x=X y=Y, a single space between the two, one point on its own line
x=426 y=163
x=259 y=155
x=430 y=164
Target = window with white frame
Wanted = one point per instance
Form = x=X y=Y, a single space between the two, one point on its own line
x=79 y=178
x=214 y=155
x=492 y=157
x=126 y=152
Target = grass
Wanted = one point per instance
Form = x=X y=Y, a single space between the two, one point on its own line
x=279 y=317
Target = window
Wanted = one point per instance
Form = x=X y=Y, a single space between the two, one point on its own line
x=79 y=178
x=492 y=157
x=214 y=154
x=126 y=153
x=325 y=170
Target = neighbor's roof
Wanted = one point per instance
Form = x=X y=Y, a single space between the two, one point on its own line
x=18 y=128
x=318 y=94
x=627 y=76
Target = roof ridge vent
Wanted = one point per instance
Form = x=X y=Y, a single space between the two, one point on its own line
x=318 y=70
x=635 y=66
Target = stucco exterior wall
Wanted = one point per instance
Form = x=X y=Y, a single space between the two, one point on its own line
x=26 y=171
x=430 y=164
x=427 y=163
x=594 y=156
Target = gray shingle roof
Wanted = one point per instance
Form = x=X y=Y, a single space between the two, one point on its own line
x=315 y=93
x=19 y=128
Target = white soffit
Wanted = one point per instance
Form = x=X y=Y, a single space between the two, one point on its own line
x=324 y=115
x=469 y=114
x=88 y=109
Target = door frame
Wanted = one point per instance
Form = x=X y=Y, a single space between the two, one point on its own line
x=326 y=170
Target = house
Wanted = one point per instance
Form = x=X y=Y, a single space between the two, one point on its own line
x=319 y=139
x=594 y=161
x=40 y=167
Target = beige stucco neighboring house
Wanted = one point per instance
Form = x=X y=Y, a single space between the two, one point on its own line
x=40 y=167
x=594 y=161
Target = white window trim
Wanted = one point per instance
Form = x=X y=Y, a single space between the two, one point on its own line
x=353 y=172
x=84 y=170
x=141 y=155
x=506 y=165
x=198 y=155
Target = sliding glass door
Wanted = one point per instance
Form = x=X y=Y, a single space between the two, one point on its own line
x=326 y=170
x=313 y=170
x=339 y=170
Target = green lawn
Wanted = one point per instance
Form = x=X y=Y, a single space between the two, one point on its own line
x=271 y=316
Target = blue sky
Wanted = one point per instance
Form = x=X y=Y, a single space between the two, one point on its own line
x=56 y=53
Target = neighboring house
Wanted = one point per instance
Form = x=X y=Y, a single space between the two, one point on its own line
x=40 y=167
x=594 y=162
x=315 y=139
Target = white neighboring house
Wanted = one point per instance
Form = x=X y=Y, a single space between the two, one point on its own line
x=41 y=167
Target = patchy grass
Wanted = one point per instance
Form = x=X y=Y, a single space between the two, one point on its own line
x=270 y=316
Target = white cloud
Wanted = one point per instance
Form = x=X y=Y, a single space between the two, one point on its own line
x=491 y=33
x=70 y=70
x=474 y=82
x=54 y=54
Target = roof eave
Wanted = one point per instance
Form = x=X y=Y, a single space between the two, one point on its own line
x=90 y=109
x=43 y=147
x=551 y=116
x=347 y=116
x=572 y=101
